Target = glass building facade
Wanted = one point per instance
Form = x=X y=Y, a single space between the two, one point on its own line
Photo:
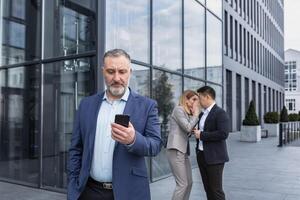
x=254 y=56
x=291 y=80
x=50 y=58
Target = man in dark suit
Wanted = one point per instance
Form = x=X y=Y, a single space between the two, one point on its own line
x=211 y=147
x=106 y=160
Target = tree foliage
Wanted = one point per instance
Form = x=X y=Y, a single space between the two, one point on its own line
x=271 y=117
x=163 y=94
x=251 y=118
x=293 y=117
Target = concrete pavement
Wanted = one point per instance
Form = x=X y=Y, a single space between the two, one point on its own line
x=256 y=171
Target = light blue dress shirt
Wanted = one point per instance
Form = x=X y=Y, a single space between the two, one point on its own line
x=202 y=123
x=101 y=168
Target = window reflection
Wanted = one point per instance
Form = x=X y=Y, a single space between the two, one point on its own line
x=192 y=84
x=140 y=80
x=70 y=27
x=214 y=49
x=66 y=83
x=128 y=27
x=19 y=123
x=219 y=93
x=19 y=31
x=194 y=39
x=166 y=91
x=13 y=36
x=167 y=34
x=18 y=8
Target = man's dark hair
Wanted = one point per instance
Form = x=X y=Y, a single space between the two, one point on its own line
x=207 y=90
x=116 y=53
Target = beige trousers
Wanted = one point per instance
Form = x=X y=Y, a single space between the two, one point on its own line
x=182 y=171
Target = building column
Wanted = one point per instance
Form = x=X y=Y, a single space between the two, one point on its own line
x=1 y=29
x=243 y=110
x=234 y=124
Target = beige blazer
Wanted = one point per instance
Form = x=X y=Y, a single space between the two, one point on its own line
x=181 y=125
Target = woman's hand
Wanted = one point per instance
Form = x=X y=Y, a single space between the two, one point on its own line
x=195 y=109
x=197 y=134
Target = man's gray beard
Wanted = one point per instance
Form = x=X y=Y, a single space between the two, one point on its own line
x=117 y=92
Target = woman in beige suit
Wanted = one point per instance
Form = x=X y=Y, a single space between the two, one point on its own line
x=183 y=119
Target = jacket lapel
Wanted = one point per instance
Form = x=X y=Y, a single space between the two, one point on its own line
x=94 y=116
x=130 y=104
x=209 y=116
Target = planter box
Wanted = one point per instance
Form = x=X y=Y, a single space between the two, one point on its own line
x=251 y=133
x=273 y=129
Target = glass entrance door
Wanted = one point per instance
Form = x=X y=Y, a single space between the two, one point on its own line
x=65 y=84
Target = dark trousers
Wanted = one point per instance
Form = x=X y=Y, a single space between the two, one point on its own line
x=212 y=178
x=93 y=191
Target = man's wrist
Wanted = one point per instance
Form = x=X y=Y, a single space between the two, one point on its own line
x=132 y=142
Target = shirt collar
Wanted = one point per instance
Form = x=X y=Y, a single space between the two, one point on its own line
x=124 y=97
x=207 y=110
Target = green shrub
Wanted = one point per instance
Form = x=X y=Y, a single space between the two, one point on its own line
x=251 y=118
x=284 y=115
x=271 y=117
x=293 y=117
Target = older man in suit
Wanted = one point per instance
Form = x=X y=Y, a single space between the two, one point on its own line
x=211 y=143
x=107 y=159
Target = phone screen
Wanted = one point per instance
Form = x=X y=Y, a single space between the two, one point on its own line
x=122 y=120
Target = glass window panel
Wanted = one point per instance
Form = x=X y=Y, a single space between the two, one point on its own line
x=192 y=84
x=19 y=123
x=167 y=34
x=166 y=90
x=140 y=80
x=214 y=49
x=70 y=27
x=19 y=31
x=194 y=39
x=16 y=32
x=128 y=27
x=215 y=6
x=65 y=84
x=218 y=90
x=18 y=8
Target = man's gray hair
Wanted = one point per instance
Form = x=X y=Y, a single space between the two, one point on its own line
x=116 y=53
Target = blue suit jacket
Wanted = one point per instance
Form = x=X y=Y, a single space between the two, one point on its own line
x=130 y=179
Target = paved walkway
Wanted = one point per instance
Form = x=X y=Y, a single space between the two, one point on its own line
x=256 y=171
x=295 y=143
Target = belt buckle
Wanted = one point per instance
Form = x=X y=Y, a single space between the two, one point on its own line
x=107 y=186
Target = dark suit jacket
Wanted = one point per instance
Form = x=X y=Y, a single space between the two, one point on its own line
x=216 y=129
x=130 y=179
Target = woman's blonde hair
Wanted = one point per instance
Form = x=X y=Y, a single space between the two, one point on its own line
x=187 y=94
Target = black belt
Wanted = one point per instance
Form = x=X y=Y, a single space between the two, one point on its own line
x=101 y=185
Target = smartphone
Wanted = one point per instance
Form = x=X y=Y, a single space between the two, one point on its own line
x=122 y=120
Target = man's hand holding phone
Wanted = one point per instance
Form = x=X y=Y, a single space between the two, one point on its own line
x=121 y=133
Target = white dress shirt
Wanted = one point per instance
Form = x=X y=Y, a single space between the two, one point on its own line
x=101 y=168
x=202 y=123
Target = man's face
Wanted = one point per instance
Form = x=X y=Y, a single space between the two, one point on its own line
x=204 y=100
x=116 y=72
